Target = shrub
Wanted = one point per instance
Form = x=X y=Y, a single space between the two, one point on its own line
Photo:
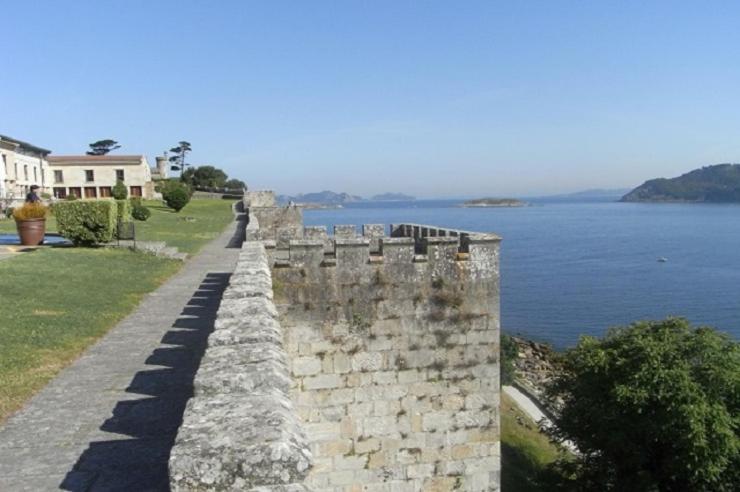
x=87 y=222
x=9 y=211
x=123 y=211
x=30 y=211
x=119 y=191
x=71 y=197
x=177 y=198
x=135 y=201
x=140 y=212
x=45 y=196
x=651 y=406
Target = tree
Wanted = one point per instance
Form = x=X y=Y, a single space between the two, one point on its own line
x=178 y=157
x=177 y=198
x=102 y=147
x=652 y=406
x=119 y=191
x=235 y=184
x=205 y=177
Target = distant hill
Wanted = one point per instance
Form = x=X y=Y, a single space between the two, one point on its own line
x=596 y=193
x=392 y=197
x=719 y=183
x=322 y=197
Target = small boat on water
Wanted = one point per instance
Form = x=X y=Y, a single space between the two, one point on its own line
x=662 y=259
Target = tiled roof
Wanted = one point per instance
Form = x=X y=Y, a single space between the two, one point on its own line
x=27 y=145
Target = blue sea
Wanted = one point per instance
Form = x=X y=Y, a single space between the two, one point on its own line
x=578 y=267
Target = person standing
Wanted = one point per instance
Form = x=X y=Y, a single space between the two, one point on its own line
x=32 y=196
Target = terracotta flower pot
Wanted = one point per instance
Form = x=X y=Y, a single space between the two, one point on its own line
x=31 y=231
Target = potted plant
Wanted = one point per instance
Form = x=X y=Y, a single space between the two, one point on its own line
x=30 y=220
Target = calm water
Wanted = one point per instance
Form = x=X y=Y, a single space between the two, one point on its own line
x=579 y=267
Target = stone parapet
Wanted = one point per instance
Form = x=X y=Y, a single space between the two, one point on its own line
x=240 y=430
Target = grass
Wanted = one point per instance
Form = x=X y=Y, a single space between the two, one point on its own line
x=525 y=450
x=56 y=302
x=210 y=219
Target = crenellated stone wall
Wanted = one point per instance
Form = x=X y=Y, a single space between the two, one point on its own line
x=349 y=362
x=240 y=430
x=393 y=347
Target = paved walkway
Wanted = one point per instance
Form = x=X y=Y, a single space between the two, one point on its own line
x=108 y=421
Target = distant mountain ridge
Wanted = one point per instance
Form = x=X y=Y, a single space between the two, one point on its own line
x=333 y=198
x=719 y=183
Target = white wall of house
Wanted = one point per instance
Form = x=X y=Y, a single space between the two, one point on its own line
x=90 y=177
x=21 y=166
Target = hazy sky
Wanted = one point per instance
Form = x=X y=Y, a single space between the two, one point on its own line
x=431 y=98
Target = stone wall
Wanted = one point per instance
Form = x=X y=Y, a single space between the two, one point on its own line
x=348 y=363
x=240 y=430
x=270 y=221
x=393 y=349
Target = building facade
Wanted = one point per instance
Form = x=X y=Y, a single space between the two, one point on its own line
x=21 y=166
x=94 y=176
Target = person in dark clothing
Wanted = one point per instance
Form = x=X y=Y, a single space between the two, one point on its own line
x=32 y=196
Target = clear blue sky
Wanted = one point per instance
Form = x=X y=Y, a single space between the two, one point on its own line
x=432 y=98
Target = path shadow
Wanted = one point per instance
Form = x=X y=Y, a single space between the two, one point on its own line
x=242 y=219
x=143 y=428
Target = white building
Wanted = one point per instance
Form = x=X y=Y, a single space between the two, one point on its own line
x=93 y=176
x=21 y=166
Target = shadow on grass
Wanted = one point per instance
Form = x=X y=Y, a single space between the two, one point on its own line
x=519 y=472
x=143 y=427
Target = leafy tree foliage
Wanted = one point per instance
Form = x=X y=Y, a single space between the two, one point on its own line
x=177 y=198
x=119 y=191
x=177 y=159
x=102 y=147
x=235 y=184
x=509 y=353
x=652 y=406
x=205 y=177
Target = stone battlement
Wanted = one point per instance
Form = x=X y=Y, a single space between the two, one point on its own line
x=408 y=243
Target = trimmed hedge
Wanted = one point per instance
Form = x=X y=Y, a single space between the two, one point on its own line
x=124 y=210
x=87 y=222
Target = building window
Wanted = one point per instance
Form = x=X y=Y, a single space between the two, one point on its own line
x=35 y=176
x=89 y=175
x=90 y=192
x=119 y=175
x=25 y=172
x=60 y=192
x=58 y=177
x=76 y=191
x=106 y=192
x=135 y=191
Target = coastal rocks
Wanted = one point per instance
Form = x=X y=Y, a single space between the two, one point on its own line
x=535 y=366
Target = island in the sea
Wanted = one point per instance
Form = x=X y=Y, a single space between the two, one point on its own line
x=392 y=197
x=712 y=184
x=494 y=202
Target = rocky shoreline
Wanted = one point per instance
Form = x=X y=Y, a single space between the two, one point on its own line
x=535 y=365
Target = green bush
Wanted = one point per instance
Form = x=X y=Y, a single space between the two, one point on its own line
x=71 y=197
x=135 y=201
x=177 y=198
x=140 y=212
x=87 y=222
x=119 y=191
x=123 y=211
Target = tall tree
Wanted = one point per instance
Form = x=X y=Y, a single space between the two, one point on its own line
x=102 y=147
x=178 y=157
x=652 y=407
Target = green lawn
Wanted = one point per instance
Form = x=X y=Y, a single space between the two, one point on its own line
x=525 y=451
x=56 y=302
x=210 y=219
